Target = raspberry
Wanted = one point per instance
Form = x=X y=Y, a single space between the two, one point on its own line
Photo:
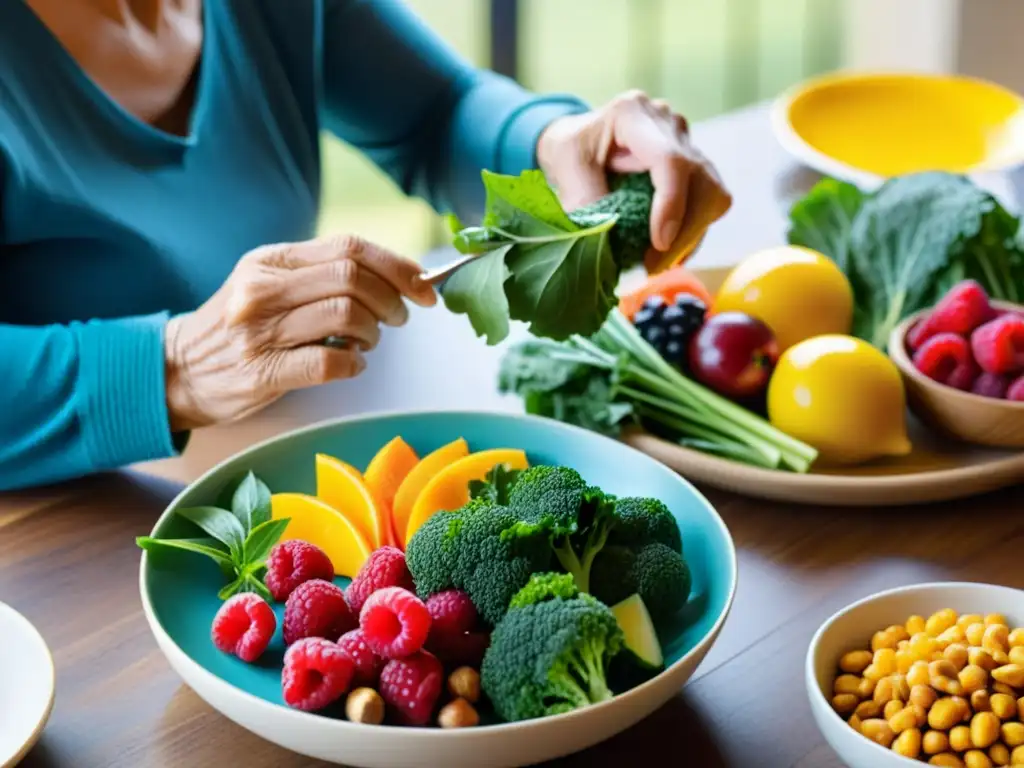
x=384 y=568
x=395 y=622
x=367 y=664
x=316 y=608
x=946 y=358
x=964 y=307
x=464 y=649
x=243 y=626
x=294 y=562
x=411 y=686
x=1016 y=390
x=991 y=385
x=316 y=673
x=998 y=345
x=451 y=612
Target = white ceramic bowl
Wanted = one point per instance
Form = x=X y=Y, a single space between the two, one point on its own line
x=852 y=627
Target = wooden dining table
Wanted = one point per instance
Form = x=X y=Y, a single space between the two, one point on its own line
x=69 y=562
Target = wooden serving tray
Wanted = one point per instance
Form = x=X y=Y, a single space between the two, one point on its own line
x=938 y=469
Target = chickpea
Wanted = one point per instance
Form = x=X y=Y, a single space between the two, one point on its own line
x=866 y=688
x=900 y=686
x=943 y=677
x=934 y=742
x=997 y=638
x=898 y=631
x=1016 y=655
x=878 y=731
x=981 y=701
x=1017 y=756
x=960 y=738
x=998 y=619
x=365 y=705
x=867 y=710
x=903 y=720
x=973 y=678
x=918 y=674
x=904 y=661
x=464 y=683
x=457 y=714
x=922 y=644
x=970 y=618
x=902 y=645
x=1020 y=709
x=1009 y=674
x=944 y=714
x=1013 y=734
x=952 y=635
x=921 y=713
x=885 y=661
x=940 y=621
x=884 y=691
x=965 y=707
x=845 y=703
x=999 y=754
x=957 y=655
x=980 y=657
x=975 y=633
x=915 y=625
x=883 y=639
x=1003 y=688
x=1016 y=638
x=854 y=722
x=977 y=759
x=908 y=743
x=923 y=696
x=947 y=759
x=891 y=708
x=1003 y=706
x=984 y=729
x=855 y=662
x=842 y=684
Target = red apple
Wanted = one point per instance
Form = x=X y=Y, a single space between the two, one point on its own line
x=734 y=354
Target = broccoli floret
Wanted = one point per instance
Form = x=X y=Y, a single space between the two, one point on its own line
x=550 y=657
x=630 y=199
x=576 y=517
x=545 y=586
x=466 y=550
x=645 y=521
x=657 y=573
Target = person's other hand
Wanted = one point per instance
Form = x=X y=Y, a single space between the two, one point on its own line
x=631 y=134
x=261 y=334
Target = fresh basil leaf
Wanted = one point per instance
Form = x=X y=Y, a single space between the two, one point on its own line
x=220 y=524
x=201 y=546
x=262 y=539
x=251 y=502
x=478 y=290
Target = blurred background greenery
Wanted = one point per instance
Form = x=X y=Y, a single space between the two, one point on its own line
x=705 y=56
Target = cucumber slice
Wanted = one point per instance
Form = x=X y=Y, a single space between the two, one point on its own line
x=641 y=638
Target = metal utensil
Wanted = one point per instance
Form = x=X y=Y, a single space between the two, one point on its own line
x=435 y=276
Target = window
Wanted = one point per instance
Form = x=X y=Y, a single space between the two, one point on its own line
x=705 y=56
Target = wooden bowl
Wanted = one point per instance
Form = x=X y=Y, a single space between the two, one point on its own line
x=962 y=415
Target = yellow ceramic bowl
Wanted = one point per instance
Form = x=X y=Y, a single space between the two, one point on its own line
x=866 y=128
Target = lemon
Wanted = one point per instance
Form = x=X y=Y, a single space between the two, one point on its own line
x=797 y=292
x=842 y=396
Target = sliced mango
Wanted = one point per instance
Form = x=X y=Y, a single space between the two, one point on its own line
x=313 y=520
x=418 y=478
x=384 y=475
x=449 y=488
x=342 y=487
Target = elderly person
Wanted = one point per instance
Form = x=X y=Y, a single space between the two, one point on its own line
x=159 y=184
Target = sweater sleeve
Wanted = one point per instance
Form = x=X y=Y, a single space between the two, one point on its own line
x=81 y=398
x=394 y=90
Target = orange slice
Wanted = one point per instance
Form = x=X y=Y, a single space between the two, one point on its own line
x=384 y=475
x=341 y=486
x=313 y=520
x=449 y=488
x=417 y=479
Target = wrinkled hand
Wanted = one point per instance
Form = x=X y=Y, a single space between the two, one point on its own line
x=261 y=334
x=631 y=134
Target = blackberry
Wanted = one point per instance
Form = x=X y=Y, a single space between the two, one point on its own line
x=669 y=327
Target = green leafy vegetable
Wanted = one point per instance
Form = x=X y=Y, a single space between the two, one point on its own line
x=615 y=379
x=539 y=265
x=239 y=540
x=903 y=246
x=496 y=486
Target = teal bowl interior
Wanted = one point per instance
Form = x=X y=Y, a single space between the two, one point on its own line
x=182 y=587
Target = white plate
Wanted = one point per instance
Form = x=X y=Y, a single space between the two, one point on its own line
x=27 y=684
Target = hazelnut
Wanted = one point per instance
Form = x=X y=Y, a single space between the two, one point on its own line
x=458 y=714
x=364 y=705
x=464 y=683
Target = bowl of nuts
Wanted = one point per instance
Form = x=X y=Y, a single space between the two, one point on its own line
x=926 y=674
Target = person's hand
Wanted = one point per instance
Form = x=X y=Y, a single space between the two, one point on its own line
x=261 y=334
x=631 y=134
